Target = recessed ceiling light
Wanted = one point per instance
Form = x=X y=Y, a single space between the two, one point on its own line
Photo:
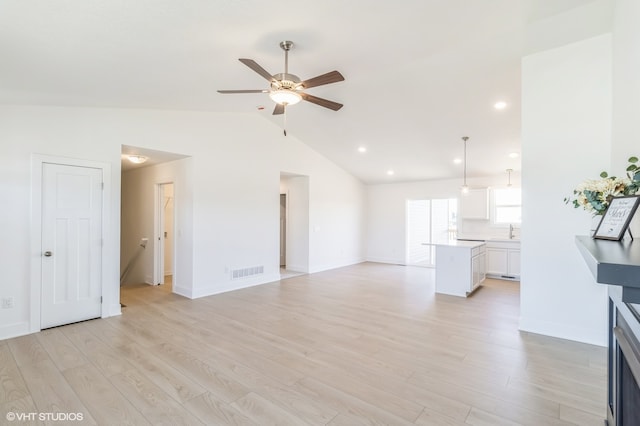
x=500 y=105
x=137 y=159
x=390 y=172
x=362 y=149
x=514 y=155
x=457 y=161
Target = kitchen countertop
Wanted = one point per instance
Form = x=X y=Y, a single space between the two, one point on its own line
x=487 y=238
x=503 y=240
x=458 y=243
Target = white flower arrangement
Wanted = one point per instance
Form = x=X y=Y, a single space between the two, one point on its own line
x=594 y=195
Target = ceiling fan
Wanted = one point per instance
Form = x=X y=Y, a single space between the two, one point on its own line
x=287 y=89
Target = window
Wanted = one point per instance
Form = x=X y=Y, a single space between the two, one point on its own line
x=507 y=206
x=429 y=222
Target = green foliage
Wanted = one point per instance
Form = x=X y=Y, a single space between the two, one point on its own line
x=595 y=195
x=633 y=172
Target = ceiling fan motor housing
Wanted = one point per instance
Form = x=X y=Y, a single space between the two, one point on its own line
x=286 y=81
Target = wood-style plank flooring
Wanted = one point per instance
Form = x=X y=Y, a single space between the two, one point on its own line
x=365 y=344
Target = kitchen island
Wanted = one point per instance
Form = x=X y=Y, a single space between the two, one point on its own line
x=460 y=267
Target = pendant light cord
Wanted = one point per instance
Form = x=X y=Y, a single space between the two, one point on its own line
x=465 y=163
x=464 y=169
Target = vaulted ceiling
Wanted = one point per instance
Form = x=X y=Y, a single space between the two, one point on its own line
x=419 y=74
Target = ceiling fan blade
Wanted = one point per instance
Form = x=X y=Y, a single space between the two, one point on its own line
x=322 y=102
x=279 y=109
x=328 y=78
x=257 y=68
x=226 y=92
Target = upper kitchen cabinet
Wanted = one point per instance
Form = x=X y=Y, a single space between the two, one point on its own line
x=475 y=204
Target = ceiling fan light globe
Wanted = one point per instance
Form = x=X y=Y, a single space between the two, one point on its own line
x=285 y=97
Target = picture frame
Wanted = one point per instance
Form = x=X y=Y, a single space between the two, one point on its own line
x=616 y=219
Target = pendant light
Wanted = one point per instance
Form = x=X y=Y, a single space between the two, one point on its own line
x=465 y=187
x=509 y=171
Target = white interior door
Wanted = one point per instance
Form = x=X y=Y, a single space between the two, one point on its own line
x=159 y=246
x=168 y=229
x=71 y=244
x=283 y=230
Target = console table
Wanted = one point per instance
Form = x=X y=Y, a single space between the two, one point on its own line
x=617 y=263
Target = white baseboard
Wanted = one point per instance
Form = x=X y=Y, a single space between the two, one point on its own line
x=564 y=331
x=14 y=330
x=326 y=267
x=385 y=260
x=114 y=310
x=298 y=268
x=183 y=291
x=233 y=285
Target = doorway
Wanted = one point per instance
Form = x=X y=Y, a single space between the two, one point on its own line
x=294 y=224
x=283 y=231
x=429 y=222
x=164 y=234
x=155 y=235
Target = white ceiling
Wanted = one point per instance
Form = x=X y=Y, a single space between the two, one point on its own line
x=419 y=74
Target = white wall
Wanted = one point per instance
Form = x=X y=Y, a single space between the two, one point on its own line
x=626 y=88
x=387 y=216
x=234 y=183
x=566 y=128
x=336 y=208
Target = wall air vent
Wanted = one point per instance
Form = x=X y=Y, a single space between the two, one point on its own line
x=238 y=274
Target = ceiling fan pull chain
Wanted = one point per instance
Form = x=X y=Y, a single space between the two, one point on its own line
x=285 y=119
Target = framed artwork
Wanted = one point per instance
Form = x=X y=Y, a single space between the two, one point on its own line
x=617 y=217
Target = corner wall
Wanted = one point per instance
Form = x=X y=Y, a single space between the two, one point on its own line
x=566 y=130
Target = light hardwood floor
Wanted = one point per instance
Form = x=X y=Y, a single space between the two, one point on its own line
x=366 y=344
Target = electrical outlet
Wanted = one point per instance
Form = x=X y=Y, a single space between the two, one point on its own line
x=7 y=302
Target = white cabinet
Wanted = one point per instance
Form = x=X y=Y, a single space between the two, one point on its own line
x=478 y=269
x=514 y=263
x=460 y=267
x=475 y=204
x=497 y=261
x=503 y=259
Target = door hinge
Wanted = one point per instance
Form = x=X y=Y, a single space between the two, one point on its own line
x=100 y=299
x=102 y=185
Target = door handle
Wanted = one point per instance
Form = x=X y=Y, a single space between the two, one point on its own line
x=48 y=254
